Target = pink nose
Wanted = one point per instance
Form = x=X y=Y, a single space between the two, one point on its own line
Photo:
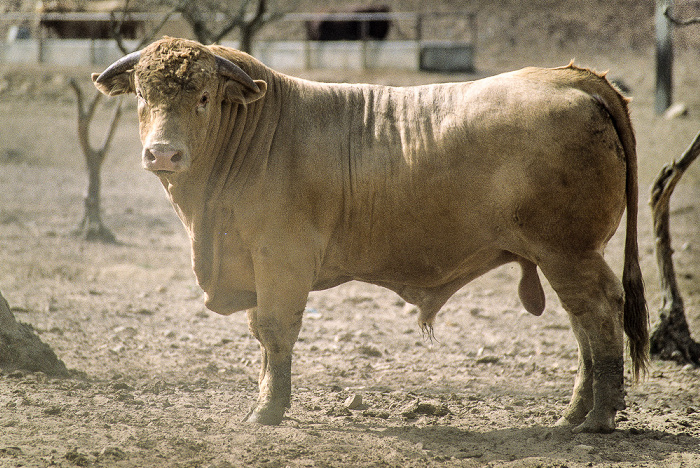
x=162 y=159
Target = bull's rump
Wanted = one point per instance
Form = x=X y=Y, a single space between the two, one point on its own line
x=514 y=165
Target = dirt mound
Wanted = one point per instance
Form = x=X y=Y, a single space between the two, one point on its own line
x=21 y=348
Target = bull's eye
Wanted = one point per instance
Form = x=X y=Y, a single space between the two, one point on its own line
x=203 y=101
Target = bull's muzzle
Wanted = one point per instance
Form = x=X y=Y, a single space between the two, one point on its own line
x=164 y=158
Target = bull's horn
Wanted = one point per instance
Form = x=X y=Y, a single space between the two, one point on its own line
x=120 y=66
x=231 y=70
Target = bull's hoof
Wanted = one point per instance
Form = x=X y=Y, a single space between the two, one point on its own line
x=266 y=417
x=603 y=425
x=563 y=422
x=572 y=417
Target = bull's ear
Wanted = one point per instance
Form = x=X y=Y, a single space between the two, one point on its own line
x=118 y=77
x=114 y=85
x=237 y=92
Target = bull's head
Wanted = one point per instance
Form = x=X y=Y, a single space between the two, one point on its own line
x=181 y=86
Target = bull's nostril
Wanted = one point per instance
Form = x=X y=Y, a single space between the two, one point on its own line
x=162 y=157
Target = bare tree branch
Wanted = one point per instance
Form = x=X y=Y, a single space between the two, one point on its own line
x=205 y=20
x=671 y=339
x=679 y=22
x=239 y=20
x=225 y=30
x=93 y=105
x=112 y=127
x=116 y=25
x=192 y=13
x=250 y=27
x=84 y=118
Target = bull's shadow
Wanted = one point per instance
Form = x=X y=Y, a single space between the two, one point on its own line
x=449 y=443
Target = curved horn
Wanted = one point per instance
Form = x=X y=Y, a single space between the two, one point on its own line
x=120 y=66
x=231 y=70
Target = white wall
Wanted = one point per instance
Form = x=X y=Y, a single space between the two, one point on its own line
x=282 y=55
x=411 y=54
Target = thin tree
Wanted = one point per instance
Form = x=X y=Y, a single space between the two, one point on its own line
x=91 y=226
x=671 y=338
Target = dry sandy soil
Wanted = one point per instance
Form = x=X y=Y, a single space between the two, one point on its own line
x=160 y=381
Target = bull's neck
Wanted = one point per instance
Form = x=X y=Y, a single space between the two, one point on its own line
x=235 y=153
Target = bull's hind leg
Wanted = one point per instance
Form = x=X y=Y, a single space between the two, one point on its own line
x=582 y=398
x=593 y=296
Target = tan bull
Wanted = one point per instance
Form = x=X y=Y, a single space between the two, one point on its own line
x=287 y=186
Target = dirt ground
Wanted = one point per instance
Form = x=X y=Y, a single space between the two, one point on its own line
x=160 y=381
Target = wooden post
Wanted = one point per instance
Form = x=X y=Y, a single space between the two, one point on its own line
x=40 y=52
x=419 y=28
x=364 y=37
x=664 y=57
x=307 y=54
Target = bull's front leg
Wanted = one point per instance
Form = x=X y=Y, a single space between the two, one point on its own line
x=276 y=322
x=277 y=338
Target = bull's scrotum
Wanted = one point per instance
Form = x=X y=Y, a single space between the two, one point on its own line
x=287 y=186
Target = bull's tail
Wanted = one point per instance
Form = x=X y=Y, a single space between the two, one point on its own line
x=636 y=316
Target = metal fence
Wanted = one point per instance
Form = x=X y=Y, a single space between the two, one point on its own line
x=436 y=41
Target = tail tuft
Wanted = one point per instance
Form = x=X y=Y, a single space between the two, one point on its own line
x=636 y=317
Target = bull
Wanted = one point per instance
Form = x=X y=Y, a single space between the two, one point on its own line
x=286 y=186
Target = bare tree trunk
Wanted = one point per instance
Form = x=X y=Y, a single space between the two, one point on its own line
x=250 y=27
x=117 y=22
x=21 y=349
x=671 y=338
x=91 y=227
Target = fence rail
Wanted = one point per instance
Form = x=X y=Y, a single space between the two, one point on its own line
x=402 y=53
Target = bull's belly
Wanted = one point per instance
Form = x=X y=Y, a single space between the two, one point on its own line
x=442 y=279
x=417 y=267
